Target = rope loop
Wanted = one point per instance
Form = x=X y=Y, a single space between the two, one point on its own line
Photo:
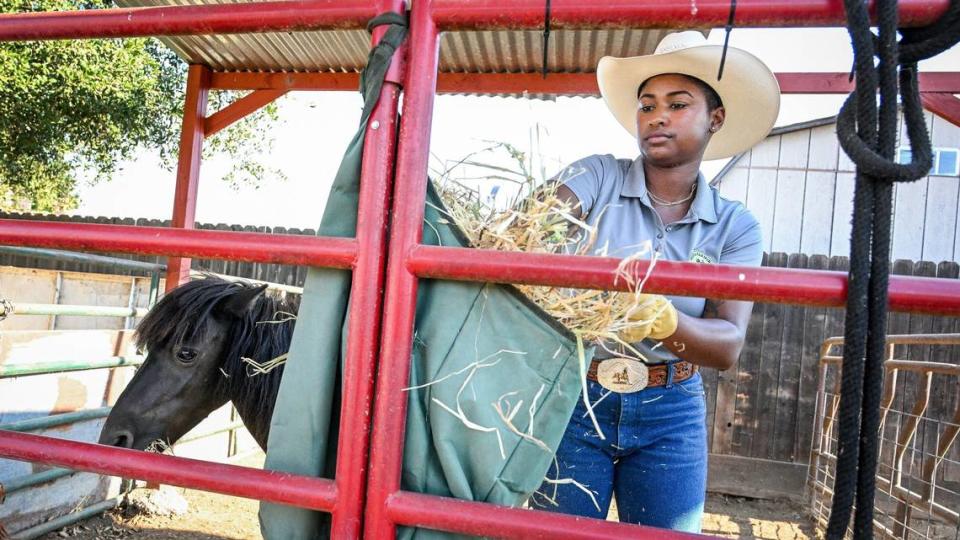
x=867 y=132
x=916 y=44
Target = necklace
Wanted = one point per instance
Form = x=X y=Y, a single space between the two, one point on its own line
x=663 y=202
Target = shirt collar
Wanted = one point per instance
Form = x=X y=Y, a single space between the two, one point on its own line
x=704 y=204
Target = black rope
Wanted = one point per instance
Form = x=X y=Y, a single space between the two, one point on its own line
x=726 y=37
x=868 y=134
x=546 y=38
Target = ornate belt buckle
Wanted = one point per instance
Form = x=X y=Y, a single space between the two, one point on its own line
x=622 y=375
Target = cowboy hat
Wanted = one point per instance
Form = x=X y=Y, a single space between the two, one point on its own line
x=748 y=88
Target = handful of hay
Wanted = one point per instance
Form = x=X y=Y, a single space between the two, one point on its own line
x=538 y=221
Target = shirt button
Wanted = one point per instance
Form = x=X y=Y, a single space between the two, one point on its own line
x=659 y=235
x=669 y=229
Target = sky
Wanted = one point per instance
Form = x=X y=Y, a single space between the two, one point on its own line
x=315 y=127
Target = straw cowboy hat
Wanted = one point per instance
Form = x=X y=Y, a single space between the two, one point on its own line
x=748 y=89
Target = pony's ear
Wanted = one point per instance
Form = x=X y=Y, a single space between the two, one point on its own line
x=238 y=303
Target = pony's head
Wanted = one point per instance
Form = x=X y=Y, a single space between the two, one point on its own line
x=196 y=337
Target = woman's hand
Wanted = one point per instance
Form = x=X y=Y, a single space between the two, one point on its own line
x=657 y=316
x=712 y=341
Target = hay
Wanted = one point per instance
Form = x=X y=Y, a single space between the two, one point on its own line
x=159 y=446
x=255 y=368
x=541 y=222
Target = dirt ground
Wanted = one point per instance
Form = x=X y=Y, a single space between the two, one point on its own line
x=217 y=517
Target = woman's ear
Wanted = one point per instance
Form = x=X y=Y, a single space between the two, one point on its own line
x=717 y=116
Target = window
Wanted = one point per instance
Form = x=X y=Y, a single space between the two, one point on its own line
x=946 y=161
x=905 y=156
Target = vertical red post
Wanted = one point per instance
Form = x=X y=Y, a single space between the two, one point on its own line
x=366 y=299
x=390 y=404
x=188 y=165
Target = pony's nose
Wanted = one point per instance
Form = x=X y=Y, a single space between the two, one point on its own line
x=122 y=438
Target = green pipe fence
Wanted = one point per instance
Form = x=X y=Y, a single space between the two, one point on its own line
x=68 y=519
x=216 y=431
x=77 y=310
x=76 y=256
x=45 y=368
x=23 y=482
x=55 y=420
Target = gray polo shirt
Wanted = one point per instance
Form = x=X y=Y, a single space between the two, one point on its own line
x=613 y=195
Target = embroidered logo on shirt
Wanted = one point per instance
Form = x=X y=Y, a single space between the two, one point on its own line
x=699 y=256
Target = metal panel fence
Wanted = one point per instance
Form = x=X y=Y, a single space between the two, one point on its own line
x=761 y=410
x=918 y=472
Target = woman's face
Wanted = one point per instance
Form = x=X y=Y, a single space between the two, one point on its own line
x=674 y=121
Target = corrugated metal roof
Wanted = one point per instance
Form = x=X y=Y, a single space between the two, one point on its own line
x=570 y=51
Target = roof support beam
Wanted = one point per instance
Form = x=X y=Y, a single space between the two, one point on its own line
x=296 y=15
x=239 y=109
x=188 y=166
x=249 y=80
x=943 y=104
x=562 y=84
x=207 y=19
x=529 y=14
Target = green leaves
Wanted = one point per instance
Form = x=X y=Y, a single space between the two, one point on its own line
x=70 y=111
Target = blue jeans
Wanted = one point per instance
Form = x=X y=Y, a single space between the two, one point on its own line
x=654 y=458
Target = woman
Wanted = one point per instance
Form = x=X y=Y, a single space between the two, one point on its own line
x=652 y=451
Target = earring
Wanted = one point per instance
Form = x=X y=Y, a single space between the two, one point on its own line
x=713 y=129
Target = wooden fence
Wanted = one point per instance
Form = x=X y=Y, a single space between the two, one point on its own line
x=759 y=414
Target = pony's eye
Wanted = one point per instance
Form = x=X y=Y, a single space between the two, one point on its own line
x=186 y=355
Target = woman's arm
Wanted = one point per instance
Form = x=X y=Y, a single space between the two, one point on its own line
x=714 y=340
x=567 y=195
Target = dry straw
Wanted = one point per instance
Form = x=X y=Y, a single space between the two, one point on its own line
x=539 y=221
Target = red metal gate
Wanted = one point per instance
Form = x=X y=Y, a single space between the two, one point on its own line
x=365 y=498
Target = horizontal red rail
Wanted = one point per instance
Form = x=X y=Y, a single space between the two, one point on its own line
x=491 y=14
x=281 y=488
x=188 y=20
x=479 y=519
x=237 y=246
x=576 y=84
x=585 y=84
x=295 y=15
x=779 y=285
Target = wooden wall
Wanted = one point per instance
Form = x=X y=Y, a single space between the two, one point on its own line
x=799 y=184
x=764 y=408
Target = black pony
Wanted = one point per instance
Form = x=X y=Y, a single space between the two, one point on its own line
x=204 y=340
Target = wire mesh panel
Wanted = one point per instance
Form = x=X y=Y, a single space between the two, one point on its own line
x=918 y=470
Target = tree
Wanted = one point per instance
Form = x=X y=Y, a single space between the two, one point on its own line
x=70 y=111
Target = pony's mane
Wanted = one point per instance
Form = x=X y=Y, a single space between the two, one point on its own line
x=261 y=334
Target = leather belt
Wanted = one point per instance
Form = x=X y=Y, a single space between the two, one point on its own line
x=657 y=373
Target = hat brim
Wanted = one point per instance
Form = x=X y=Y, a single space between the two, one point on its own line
x=748 y=89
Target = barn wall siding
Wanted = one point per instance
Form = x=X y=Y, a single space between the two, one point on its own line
x=799 y=185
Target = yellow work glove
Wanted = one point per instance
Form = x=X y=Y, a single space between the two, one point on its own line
x=658 y=316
